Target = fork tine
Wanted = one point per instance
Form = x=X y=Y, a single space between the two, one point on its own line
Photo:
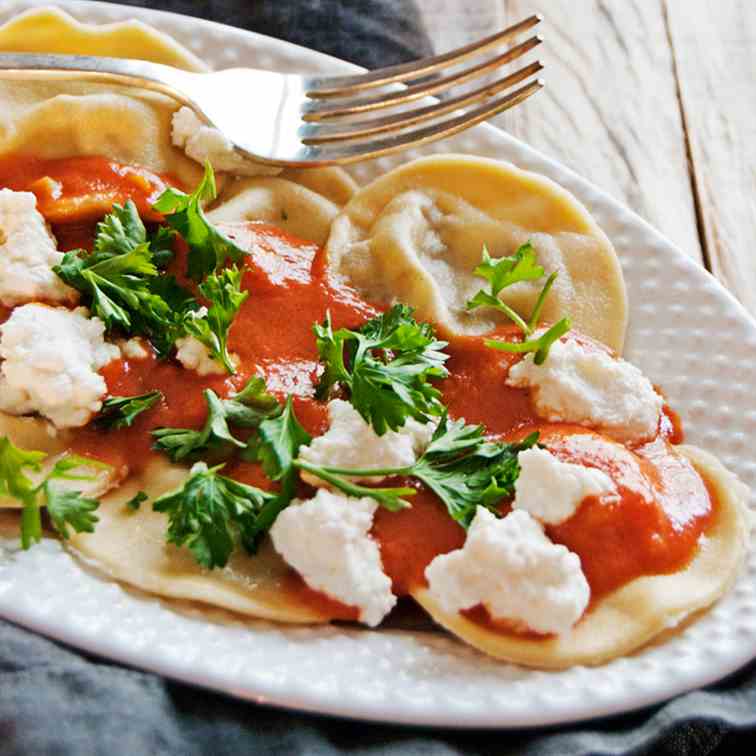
x=315 y=111
x=349 y=153
x=319 y=133
x=343 y=86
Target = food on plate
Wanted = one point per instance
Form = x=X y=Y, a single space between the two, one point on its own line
x=301 y=400
x=415 y=235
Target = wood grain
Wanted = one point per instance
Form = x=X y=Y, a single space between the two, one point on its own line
x=610 y=109
x=713 y=45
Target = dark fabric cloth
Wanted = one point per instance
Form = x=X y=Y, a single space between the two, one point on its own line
x=54 y=700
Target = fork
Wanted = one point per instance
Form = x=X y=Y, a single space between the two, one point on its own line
x=292 y=120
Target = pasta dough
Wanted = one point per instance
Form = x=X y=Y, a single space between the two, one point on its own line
x=415 y=235
x=632 y=615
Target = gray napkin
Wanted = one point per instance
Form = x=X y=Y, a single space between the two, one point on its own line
x=54 y=700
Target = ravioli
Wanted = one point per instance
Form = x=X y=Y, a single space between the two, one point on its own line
x=415 y=235
x=642 y=609
x=131 y=547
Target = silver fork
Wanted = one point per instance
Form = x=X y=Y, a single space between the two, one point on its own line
x=292 y=120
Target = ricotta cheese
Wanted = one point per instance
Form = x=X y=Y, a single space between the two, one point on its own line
x=51 y=358
x=134 y=348
x=194 y=355
x=591 y=388
x=327 y=540
x=515 y=571
x=201 y=142
x=351 y=442
x=551 y=490
x=28 y=254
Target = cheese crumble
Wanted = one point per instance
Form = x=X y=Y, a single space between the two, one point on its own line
x=327 y=540
x=51 y=356
x=351 y=442
x=27 y=254
x=515 y=571
x=552 y=491
x=201 y=142
x=591 y=388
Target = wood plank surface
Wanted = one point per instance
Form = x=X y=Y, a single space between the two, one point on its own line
x=610 y=109
x=715 y=51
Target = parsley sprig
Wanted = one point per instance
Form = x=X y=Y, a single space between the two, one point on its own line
x=208 y=510
x=223 y=290
x=462 y=467
x=121 y=411
x=209 y=513
x=208 y=248
x=387 y=364
x=245 y=409
x=503 y=272
x=123 y=282
x=67 y=509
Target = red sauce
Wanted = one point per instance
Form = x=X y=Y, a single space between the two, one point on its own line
x=653 y=528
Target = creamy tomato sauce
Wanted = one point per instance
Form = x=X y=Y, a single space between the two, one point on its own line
x=654 y=526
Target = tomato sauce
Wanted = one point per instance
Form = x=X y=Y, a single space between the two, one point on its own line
x=652 y=527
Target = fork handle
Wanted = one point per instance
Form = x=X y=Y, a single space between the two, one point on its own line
x=139 y=73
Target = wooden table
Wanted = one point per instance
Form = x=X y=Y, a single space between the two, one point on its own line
x=652 y=100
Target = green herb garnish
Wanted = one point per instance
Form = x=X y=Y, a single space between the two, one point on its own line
x=121 y=411
x=503 y=272
x=67 y=509
x=460 y=466
x=120 y=281
x=387 y=365
x=223 y=289
x=246 y=409
x=209 y=512
x=208 y=247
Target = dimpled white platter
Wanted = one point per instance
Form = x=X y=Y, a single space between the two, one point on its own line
x=686 y=332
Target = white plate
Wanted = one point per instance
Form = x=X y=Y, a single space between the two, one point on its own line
x=686 y=332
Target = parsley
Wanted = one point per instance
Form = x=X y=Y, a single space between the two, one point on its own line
x=121 y=283
x=387 y=365
x=224 y=292
x=279 y=440
x=214 y=438
x=246 y=409
x=137 y=500
x=121 y=411
x=66 y=508
x=208 y=510
x=503 y=272
x=460 y=466
x=208 y=247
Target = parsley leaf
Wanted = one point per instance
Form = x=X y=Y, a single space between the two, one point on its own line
x=214 y=437
x=208 y=247
x=387 y=365
x=208 y=510
x=503 y=272
x=279 y=441
x=66 y=508
x=123 y=288
x=137 y=500
x=460 y=466
x=121 y=411
x=120 y=231
x=276 y=446
x=70 y=508
x=246 y=409
x=224 y=292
